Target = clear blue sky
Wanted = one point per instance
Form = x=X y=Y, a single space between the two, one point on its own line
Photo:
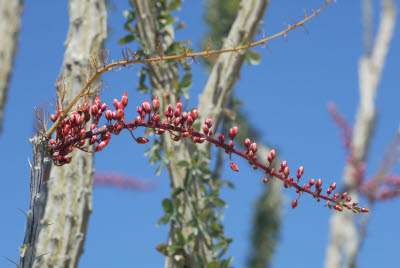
x=286 y=97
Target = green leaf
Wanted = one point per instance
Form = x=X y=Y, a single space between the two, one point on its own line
x=214 y=264
x=252 y=57
x=167 y=205
x=159 y=168
x=181 y=237
x=181 y=25
x=126 y=39
x=186 y=180
x=174 y=5
x=129 y=15
x=176 y=191
x=199 y=260
x=164 y=219
x=183 y=163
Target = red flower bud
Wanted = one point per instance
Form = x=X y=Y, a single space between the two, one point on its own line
x=348 y=199
x=231 y=144
x=235 y=130
x=247 y=142
x=318 y=184
x=72 y=118
x=156 y=104
x=109 y=116
x=333 y=186
x=94 y=110
x=120 y=114
x=205 y=129
x=300 y=171
x=146 y=107
x=338 y=208
x=189 y=120
x=177 y=112
x=104 y=106
x=97 y=101
x=221 y=138
x=116 y=103
x=54 y=117
x=179 y=105
x=142 y=140
x=195 y=113
x=138 y=119
x=82 y=134
x=101 y=145
x=66 y=129
x=343 y=195
x=311 y=182
x=265 y=180
x=157 y=118
x=254 y=147
x=124 y=99
x=208 y=122
x=286 y=171
x=294 y=204
x=364 y=210
x=92 y=140
x=177 y=121
x=283 y=164
x=186 y=134
x=86 y=106
x=234 y=167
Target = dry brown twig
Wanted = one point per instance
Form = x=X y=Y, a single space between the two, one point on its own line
x=142 y=59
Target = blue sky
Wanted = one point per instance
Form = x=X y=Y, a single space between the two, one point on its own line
x=285 y=97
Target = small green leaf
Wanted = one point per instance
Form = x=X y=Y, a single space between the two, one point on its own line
x=164 y=219
x=176 y=191
x=183 y=163
x=181 y=25
x=252 y=57
x=167 y=205
x=174 y=5
x=181 y=237
x=159 y=168
x=126 y=39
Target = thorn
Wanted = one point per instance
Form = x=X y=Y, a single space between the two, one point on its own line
x=17 y=264
x=44 y=226
x=37 y=257
x=25 y=213
x=46 y=181
x=29 y=161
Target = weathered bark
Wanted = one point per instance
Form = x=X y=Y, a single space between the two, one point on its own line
x=216 y=95
x=10 y=23
x=40 y=168
x=344 y=236
x=69 y=194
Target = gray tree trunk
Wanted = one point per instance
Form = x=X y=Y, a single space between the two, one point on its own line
x=69 y=194
x=40 y=168
x=215 y=97
x=10 y=23
x=345 y=239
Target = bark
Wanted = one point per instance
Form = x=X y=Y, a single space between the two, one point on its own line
x=216 y=95
x=10 y=23
x=40 y=168
x=345 y=239
x=69 y=194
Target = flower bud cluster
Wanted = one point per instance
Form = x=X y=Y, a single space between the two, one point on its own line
x=71 y=128
x=71 y=133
